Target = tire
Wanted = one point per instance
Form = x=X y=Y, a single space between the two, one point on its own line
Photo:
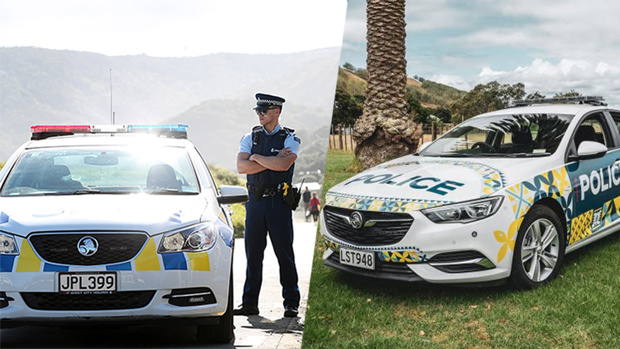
x=223 y=332
x=539 y=249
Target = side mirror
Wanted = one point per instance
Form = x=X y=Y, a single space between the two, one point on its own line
x=232 y=195
x=424 y=146
x=590 y=150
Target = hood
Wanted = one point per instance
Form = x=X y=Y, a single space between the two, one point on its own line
x=152 y=214
x=413 y=182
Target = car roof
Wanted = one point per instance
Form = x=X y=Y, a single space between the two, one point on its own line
x=570 y=109
x=108 y=139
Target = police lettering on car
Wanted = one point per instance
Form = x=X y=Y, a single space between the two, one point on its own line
x=267 y=155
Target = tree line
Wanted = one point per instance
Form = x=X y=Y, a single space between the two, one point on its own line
x=454 y=107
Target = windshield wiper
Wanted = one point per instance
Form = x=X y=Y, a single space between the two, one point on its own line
x=527 y=155
x=170 y=191
x=86 y=191
x=454 y=155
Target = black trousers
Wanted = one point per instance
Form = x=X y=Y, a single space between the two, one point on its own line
x=269 y=216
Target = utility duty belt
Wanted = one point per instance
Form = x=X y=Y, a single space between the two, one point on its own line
x=290 y=194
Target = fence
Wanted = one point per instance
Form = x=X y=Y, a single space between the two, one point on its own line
x=341 y=136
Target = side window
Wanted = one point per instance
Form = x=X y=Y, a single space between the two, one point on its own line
x=616 y=117
x=593 y=129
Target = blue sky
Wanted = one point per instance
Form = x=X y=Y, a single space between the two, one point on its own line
x=550 y=46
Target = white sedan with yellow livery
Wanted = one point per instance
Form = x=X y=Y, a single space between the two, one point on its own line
x=115 y=223
x=504 y=195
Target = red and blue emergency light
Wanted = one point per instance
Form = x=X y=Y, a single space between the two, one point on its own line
x=46 y=131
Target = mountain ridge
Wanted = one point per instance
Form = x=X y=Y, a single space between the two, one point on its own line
x=43 y=86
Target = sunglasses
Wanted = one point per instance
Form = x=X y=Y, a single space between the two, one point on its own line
x=263 y=112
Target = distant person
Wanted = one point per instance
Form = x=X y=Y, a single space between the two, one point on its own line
x=267 y=155
x=306 y=198
x=315 y=207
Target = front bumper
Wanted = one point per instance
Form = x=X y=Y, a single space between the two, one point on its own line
x=475 y=252
x=185 y=287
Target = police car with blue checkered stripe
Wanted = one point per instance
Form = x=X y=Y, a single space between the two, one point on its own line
x=503 y=196
x=119 y=223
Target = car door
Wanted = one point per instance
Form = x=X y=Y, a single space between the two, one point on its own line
x=596 y=181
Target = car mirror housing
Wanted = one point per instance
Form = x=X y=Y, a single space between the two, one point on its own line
x=590 y=150
x=232 y=195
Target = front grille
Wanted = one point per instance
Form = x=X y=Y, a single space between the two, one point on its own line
x=389 y=227
x=61 y=248
x=119 y=300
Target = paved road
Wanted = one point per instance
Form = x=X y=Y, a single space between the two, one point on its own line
x=270 y=329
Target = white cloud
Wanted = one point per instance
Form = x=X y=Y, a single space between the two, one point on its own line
x=452 y=80
x=588 y=78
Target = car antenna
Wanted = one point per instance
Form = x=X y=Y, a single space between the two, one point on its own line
x=111 y=100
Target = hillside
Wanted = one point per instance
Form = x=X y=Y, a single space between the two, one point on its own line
x=215 y=123
x=213 y=93
x=428 y=93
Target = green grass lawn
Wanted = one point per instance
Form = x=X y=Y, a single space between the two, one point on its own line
x=580 y=309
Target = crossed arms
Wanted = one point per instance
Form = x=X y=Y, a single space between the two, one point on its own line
x=255 y=163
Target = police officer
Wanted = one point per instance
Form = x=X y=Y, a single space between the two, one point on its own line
x=267 y=156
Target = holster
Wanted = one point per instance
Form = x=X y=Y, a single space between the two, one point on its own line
x=290 y=195
x=258 y=191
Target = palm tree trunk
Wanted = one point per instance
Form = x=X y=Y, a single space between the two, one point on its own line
x=385 y=130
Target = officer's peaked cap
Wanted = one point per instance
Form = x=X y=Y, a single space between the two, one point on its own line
x=264 y=101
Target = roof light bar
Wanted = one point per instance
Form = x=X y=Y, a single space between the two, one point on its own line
x=172 y=131
x=591 y=100
x=46 y=131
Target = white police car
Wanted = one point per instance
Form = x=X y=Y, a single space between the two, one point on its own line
x=503 y=195
x=115 y=223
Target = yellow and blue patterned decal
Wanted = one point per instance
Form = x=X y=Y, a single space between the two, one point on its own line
x=611 y=211
x=176 y=217
x=588 y=192
x=368 y=203
x=147 y=260
x=199 y=261
x=553 y=184
x=403 y=256
x=592 y=221
x=28 y=260
x=581 y=227
x=174 y=261
x=596 y=192
x=7 y=263
x=400 y=255
x=507 y=239
x=492 y=179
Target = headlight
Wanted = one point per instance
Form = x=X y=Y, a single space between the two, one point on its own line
x=464 y=212
x=7 y=244
x=195 y=239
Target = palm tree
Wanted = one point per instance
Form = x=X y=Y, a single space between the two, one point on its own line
x=385 y=130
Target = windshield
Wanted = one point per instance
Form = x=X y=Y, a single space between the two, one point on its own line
x=519 y=135
x=102 y=170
